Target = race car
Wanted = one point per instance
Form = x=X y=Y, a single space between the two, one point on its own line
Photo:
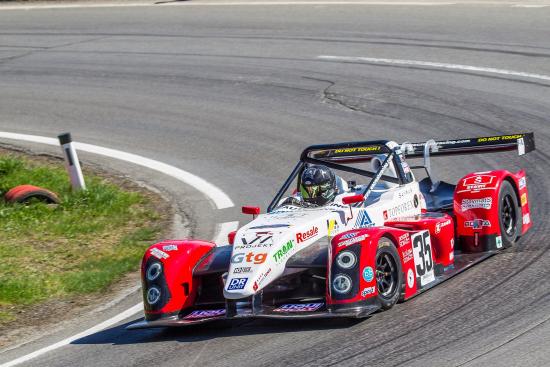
x=384 y=238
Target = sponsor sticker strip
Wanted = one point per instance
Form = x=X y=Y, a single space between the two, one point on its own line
x=353 y=240
x=482 y=203
x=159 y=254
x=203 y=314
x=299 y=307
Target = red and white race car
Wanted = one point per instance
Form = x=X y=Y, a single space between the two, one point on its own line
x=381 y=241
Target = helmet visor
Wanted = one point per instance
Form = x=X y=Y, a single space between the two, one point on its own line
x=314 y=191
x=310 y=191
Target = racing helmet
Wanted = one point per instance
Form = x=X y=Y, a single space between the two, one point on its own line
x=318 y=185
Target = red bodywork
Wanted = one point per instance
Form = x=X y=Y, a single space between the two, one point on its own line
x=440 y=227
x=178 y=258
x=476 y=206
x=475 y=199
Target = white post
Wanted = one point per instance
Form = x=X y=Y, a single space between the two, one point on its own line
x=71 y=162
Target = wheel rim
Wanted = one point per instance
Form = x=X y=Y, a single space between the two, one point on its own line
x=386 y=275
x=508 y=215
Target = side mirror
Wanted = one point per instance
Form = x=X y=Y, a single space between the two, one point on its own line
x=352 y=199
x=231 y=237
x=252 y=210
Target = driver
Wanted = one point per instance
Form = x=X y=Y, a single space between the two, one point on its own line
x=317 y=187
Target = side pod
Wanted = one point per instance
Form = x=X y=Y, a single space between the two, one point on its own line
x=167 y=276
x=477 y=206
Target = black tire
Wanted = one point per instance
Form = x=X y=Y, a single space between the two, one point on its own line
x=389 y=274
x=509 y=214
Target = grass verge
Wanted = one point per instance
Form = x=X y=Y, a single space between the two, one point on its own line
x=79 y=247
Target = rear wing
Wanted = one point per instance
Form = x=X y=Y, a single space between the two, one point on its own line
x=523 y=143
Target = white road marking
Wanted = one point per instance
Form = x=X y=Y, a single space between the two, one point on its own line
x=220 y=199
x=529 y=6
x=267 y=3
x=435 y=65
x=237 y=3
x=105 y=324
x=223 y=230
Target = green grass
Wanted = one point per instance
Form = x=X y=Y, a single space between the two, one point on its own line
x=77 y=247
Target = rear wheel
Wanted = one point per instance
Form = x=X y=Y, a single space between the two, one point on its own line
x=389 y=275
x=509 y=211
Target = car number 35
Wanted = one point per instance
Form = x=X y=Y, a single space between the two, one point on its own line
x=423 y=258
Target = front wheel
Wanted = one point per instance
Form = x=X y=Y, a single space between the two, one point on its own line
x=389 y=275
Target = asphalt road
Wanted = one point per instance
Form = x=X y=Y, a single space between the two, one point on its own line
x=233 y=93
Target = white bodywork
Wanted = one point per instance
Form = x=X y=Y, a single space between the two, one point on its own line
x=263 y=246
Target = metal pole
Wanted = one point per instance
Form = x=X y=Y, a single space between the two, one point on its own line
x=71 y=162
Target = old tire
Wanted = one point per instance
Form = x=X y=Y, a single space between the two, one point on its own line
x=24 y=193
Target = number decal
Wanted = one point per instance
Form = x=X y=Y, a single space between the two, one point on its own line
x=422 y=251
x=418 y=244
x=428 y=251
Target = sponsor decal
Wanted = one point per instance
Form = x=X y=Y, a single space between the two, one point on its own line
x=407 y=255
x=268 y=226
x=478 y=183
x=257 y=238
x=451 y=256
x=255 y=286
x=307 y=235
x=332 y=227
x=440 y=225
x=241 y=269
x=283 y=251
x=483 y=203
x=410 y=278
x=348 y=235
x=300 y=307
x=373 y=148
x=403 y=193
x=477 y=223
x=526 y=218
x=363 y=220
x=404 y=239
x=499 y=241
x=499 y=138
x=522 y=183
x=236 y=284
x=256 y=245
x=262 y=277
x=368 y=274
x=416 y=201
x=366 y=291
x=452 y=243
x=159 y=254
x=523 y=199
x=256 y=258
x=400 y=209
x=170 y=248
x=203 y=314
x=353 y=240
